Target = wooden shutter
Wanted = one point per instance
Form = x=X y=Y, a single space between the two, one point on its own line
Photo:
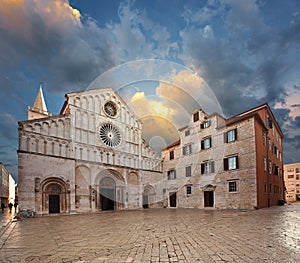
x=212 y=167
x=225 y=136
x=225 y=164
x=202 y=168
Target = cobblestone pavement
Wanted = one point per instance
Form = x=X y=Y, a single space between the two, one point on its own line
x=5 y=219
x=165 y=235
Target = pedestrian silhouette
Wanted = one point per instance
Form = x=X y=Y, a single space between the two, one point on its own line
x=2 y=207
x=10 y=205
x=15 y=205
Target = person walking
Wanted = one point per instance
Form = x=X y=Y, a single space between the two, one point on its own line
x=2 y=207
x=10 y=205
x=15 y=205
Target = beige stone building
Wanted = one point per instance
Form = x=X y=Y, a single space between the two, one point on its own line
x=90 y=157
x=4 y=184
x=292 y=182
x=226 y=163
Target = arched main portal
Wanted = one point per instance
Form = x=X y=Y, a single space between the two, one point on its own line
x=109 y=190
x=55 y=196
x=107 y=193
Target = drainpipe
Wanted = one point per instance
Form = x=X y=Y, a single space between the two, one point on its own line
x=268 y=167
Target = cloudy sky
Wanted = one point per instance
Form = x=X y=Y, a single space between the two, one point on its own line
x=242 y=53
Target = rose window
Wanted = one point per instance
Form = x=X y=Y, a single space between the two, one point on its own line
x=110 y=135
x=110 y=109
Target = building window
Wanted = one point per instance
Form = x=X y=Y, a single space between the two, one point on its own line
x=265 y=164
x=297 y=170
x=171 y=174
x=276 y=170
x=290 y=170
x=196 y=116
x=187 y=149
x=297 y=177
x=270 y=124
x=187 y=133
x=207 y=167
x=171 y=155
x=205 y=125
x=231 y=163
x=263 y=138
x=188 y=189
x=188 y=171
x=270 y=167
x=206 y=143
x=290 y=176
x=232 y=186
x=265 y=187
x=230 y=136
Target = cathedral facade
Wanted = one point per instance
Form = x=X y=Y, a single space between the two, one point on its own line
x=91 y=157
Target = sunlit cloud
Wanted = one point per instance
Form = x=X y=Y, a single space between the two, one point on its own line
x=21 y=15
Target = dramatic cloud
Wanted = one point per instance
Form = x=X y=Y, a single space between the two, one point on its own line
x=240 y=52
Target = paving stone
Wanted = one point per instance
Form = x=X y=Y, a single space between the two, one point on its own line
x=157 y=235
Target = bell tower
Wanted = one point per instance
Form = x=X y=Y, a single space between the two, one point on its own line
x=39 y=109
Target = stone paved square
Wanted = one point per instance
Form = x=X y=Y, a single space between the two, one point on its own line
x=157 y=235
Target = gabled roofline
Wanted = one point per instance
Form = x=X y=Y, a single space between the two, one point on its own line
x=171 y=145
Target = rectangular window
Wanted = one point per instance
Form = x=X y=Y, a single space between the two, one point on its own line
x=263 y=137
x=207 y=167
x=196 y=116
x=171 y=174
x=276 y=170
x=265 y=164
x=291 y=170
x=171 y=155
x=231 y=163
x=187 y=149
x=188 y=171
x=232 y=186
x=297 y=170
x=270 y=167
x=297 y=176
x=290 y=176
x=187 y=133
x=265 y=187
x=270 y=124
x=206 y=143
x=188 y=189
x=230 y=136
x=205 y=125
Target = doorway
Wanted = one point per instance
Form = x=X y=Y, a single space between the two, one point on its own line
x=54 y=204
x=107 y=197
x=145 y=201
x=173 y=199
x=208 y=198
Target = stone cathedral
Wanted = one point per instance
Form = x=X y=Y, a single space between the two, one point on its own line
x=91 y=157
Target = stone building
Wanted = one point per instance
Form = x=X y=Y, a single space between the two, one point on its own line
x=4 y=184
x=292 y=182
x=226 y=163
x=90 y=157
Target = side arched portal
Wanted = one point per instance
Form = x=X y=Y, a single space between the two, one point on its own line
x=55 y=196
x=148 y=196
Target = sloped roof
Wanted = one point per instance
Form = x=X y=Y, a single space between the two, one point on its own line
x=39 y=103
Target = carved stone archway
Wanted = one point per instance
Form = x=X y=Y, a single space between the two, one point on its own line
x=109 y=190
x=148 y=196
x=55 y=196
